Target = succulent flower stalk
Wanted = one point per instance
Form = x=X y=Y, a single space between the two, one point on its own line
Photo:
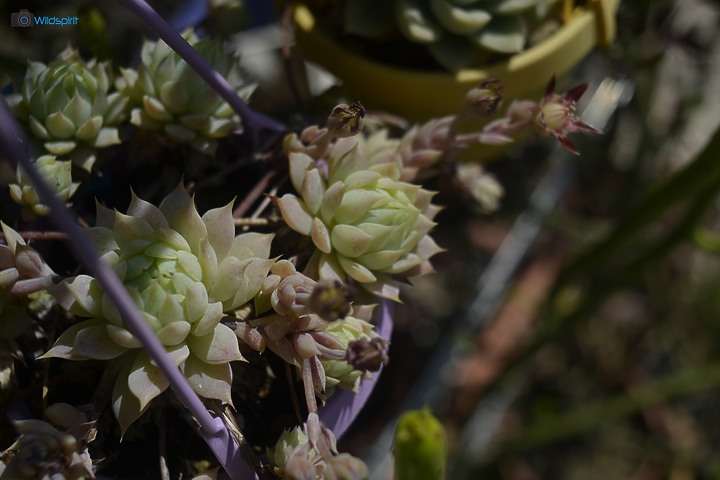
x=168 y=96
x=70 y=107
x=555 y=115
x=305 y=337
x=184 y=272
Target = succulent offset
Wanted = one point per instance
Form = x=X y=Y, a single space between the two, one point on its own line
x=183 y=271
x=168 y=96
x=69 y=106
x=43 y=452
x=23 y=272
x=310 y=452
x=57 y=174
x=367 y=224
x=457 y=33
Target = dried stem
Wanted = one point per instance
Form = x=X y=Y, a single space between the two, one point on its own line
x=254 y=194
x=35 y=235
x=309 y=386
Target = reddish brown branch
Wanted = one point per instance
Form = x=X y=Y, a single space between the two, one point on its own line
x=34 y=235
x=254 y=194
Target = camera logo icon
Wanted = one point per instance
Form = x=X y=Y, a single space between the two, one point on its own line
x=23 y=18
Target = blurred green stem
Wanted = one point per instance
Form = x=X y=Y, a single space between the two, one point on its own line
x=610 y=266
x=586 y=418
x=686 y=184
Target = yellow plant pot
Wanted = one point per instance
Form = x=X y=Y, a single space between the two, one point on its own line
x=422 y=95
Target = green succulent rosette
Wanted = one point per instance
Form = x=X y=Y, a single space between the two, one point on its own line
x=339 y=373
x=366 y=224
x=184 y=271
x=168 y=96
x=455 y=32
x=70 y=108
x=57 y=174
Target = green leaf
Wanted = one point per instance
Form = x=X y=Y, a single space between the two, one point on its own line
x=209 y=381
x=503 y=34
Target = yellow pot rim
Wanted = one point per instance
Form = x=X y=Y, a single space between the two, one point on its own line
x=421 y=94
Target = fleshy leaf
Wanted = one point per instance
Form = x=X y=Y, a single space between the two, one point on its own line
x=219 y=346
x=209 y=381
x=145 y=380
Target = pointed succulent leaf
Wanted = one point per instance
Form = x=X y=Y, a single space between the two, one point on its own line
x=125 y=405
x=219 y=346
x=145 y=380
x=209 y=381
x=64 y=345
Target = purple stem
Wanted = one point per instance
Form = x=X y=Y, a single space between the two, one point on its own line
x=344 y=406
x=212 y=429
x=255 y=122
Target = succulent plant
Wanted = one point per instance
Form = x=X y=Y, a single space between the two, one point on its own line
x=22 y=269
x=555 y=115
x=310 y=452
x=43 y=452
x=302 y=337
x=69 y=106
x=482 y=186
x=343 y=373
x=57 y=174
x=456 y=32
x=168 y=96
x=183 y=271
x=366 y=224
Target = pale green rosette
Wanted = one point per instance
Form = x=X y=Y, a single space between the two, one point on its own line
x=454 y=31
x=70 y=108
x=168 y=96
x=366 y=224
x=184 y=272
x=56 y=173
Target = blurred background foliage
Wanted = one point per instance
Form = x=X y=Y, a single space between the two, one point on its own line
x=603 y=360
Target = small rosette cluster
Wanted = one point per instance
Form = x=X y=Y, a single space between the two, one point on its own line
x=183 y=271
x=69 y=106
x=456 y=32
x=56 y=173
x=367 y=224
x=23 y=272
x=310 y=451
x=168 y=96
